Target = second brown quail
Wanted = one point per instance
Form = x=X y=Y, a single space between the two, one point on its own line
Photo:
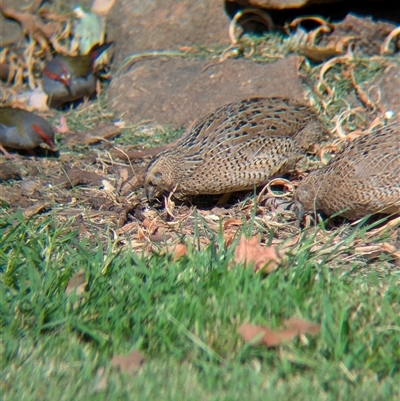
x=237 y=147
x=362 y=179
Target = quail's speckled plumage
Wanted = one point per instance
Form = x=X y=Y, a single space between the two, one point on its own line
x=364 y=178
x=237 y=147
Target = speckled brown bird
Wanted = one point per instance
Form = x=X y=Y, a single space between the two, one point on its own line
x=364 y=178
x=237 y=147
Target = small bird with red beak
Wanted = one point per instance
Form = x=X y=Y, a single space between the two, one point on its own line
x=21 y=129
x=68 y=78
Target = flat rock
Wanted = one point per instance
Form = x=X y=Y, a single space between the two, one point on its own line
x=175 y=92
x=138 y=25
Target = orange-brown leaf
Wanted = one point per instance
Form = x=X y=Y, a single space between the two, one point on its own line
x=232 y=222
x=303 y=326
x=250 y=251
x=77 y=283
x=129 y=363
x=62 y=128
x=271 y=338
x=180 y=251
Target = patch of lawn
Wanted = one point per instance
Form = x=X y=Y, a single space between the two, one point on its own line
x=184 y=316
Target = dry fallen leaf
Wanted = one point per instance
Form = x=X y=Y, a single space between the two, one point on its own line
x=62 y=128
x=129 y=363
x=250 y=251
x=134 y=182
x=137 y=154
x=232 y=223
x=92 y=136
x=73 y=177
x=268 y=337
x=303 y=326
x=271 y=338
x=180 y=251
x=319 y=54
x=36 y=208
x=77 y=283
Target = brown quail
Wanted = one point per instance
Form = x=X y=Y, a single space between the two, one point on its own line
x=236 y=147
x=364 y=178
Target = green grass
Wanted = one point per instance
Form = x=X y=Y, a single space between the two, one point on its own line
x=184 y=316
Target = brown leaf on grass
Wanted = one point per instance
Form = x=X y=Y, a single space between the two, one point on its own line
x=77 y=283
x=92 y=136
x=176 y=249
x=271 y=338
x=37 y=208
x=134 y=182
x=389 y=248
x=249 y=251
x=232 y=223
x=319 y=54
x=267 y=336
x=74 y=177
x=137 y=154
x=62 y=128
x=129 y=363
x=127 y=227
x=160 y=237
x=229 y=236
x=155 y=226
x=147 y=223
x=180 y=251
x=31 y=24
x=303 y=326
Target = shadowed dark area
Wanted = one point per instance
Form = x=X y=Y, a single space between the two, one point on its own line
x=383 y=10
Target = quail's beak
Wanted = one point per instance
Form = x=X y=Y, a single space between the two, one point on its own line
x=153 y=195
x=299 y=210
x=150 y=194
